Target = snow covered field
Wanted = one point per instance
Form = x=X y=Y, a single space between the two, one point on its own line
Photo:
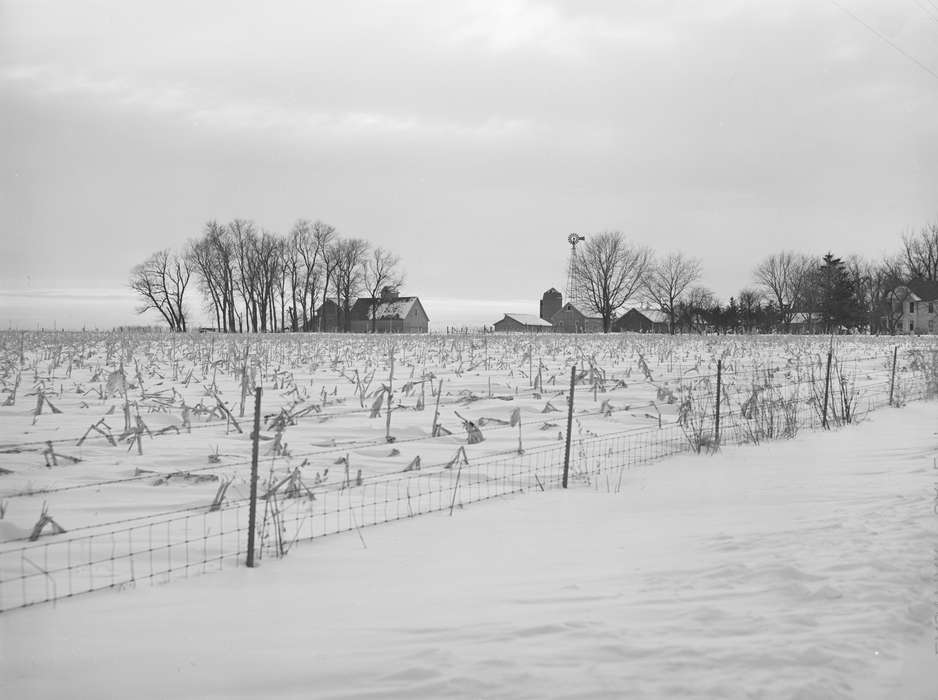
x=795 y=569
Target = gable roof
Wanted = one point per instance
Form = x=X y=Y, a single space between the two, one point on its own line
x=570 y=306
x=391 y=310
x=529 y=320
x=653 y=315
x=924 y=290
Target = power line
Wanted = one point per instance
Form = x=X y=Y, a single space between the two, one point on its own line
x=886 y=39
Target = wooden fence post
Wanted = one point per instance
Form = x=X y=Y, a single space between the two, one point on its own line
x=716 y=429
x=255 y=444
x=566 y=456
x=892 y=377
x=827 y=384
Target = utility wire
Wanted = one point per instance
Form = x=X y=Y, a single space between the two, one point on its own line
x=886 y=39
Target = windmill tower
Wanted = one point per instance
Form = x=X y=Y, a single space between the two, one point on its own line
x=573 y=288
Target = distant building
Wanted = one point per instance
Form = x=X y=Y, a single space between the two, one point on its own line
x=551 y=303
x=642 y=321
x=390 y=313
x=804 y=322
x=328 y=312
x=570 y=319
x=914 y=307
x=522 y=323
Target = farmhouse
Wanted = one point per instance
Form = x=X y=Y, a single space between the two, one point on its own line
x=522 y=323
x=914 y=307
x=390 y=313
x=642 y=321
x=570 y=319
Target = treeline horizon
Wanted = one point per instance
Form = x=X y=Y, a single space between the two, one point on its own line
x=252 y=280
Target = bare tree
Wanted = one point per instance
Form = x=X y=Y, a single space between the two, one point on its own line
x=749 y=302
x=872 y=283
x=212 y=258
x=349 y=254
x=608 y=270
x=781 y=275
x=161 y=282
x=696 y=309
x=920 y=254
x=667 y=280
x=379 y=272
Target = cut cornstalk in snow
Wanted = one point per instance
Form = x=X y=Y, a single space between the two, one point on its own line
x=220 y=494
x=435 y=431
x=11 y=399
x=225 y=412
x=516 y=420
x=45 y=519
x=459 y=459
x=52 y=456
x=473 y=433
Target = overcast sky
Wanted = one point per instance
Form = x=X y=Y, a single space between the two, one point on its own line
x=469 y=137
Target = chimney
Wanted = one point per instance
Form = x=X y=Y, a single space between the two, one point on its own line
x=389 y=294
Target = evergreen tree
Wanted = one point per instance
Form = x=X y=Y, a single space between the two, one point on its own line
x=837 y=302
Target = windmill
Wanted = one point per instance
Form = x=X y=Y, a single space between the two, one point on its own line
x=573 y=287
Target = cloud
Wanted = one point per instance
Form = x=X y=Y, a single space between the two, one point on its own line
x=203 y=108
x=514 y=25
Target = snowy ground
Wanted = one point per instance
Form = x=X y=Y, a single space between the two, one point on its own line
x=801 y=569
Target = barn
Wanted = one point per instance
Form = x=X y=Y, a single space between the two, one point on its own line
x=389 y=314
x=327 y=315
x=571 y=319
x=642 y=321
x=522 y=323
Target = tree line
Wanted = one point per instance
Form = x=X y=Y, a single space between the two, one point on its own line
x=789 y=289
x=252 y=280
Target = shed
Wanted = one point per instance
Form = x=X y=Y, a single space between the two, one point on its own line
x=642 y=321
x=522 y=323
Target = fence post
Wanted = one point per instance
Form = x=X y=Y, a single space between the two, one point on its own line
x=252 y=505
x=387 y=427
x=827 y=384
x=566 y=455
x=716 y=429
x=892 y=377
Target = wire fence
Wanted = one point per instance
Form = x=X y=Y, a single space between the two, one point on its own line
x=711 y=411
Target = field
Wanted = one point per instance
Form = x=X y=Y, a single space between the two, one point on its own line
x=126 y=457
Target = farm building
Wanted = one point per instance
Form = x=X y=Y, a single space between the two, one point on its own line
x=570 y=319
x=642 y=321
x=328 y=312
x=550 y=303
x=522 y=323
x=914 y=307
x=389 y=314
x=806 y=322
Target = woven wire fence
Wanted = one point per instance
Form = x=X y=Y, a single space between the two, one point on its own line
x=755 y=408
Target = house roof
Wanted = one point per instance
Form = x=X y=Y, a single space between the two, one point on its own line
x=653 y=315
x=924 y=290
x=570 y=306
x=528 y=320
x=392 y=310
